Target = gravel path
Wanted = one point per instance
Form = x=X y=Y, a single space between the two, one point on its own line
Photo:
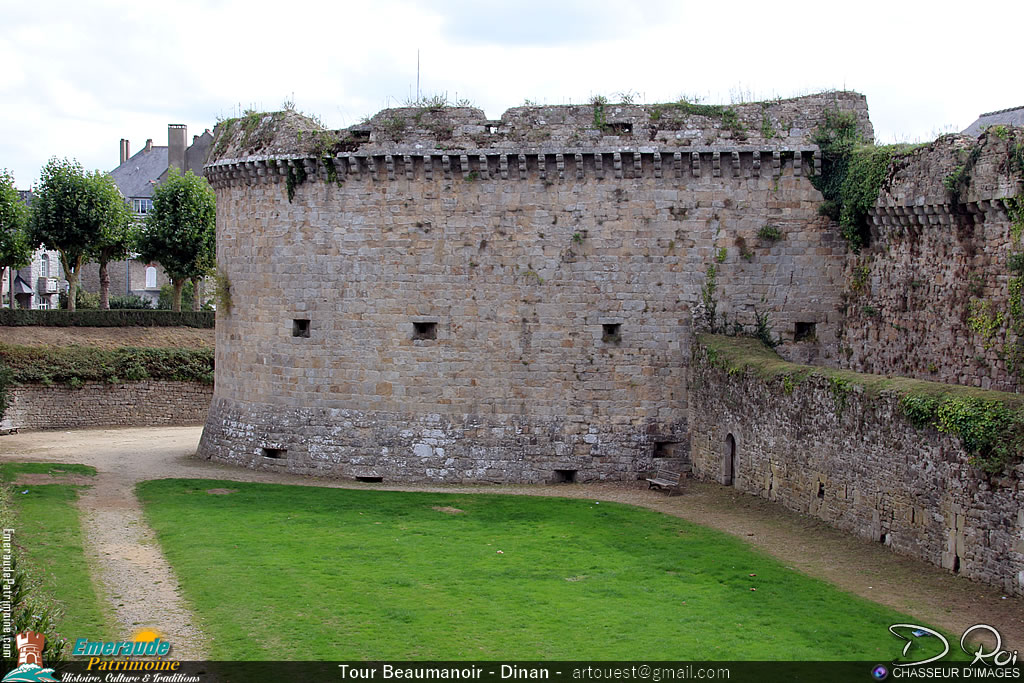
x=129 y=562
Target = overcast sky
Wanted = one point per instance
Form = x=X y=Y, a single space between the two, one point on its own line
x=77 y=76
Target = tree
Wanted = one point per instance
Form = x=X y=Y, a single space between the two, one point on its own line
x=117 y=235
x=15 y=247
x=70 y=214
x=180 y=231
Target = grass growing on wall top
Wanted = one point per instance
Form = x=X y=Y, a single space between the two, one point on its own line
x=989 y=424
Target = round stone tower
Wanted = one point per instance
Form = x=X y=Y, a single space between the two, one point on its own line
x=437 y=296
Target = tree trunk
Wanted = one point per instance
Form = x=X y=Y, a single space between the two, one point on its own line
x=71 y=269
x=176 y=299
x=104 y=286
x=72 y=279
x=195 y=294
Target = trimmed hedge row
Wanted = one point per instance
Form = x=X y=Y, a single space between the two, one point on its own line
x=19 y=317
x=76 y=365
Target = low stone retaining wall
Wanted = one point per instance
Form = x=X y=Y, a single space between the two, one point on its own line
x=823 y=445
x=95 y=404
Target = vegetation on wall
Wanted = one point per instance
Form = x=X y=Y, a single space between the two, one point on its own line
x=22 y=317
x=852 y=173
x=998 y=327
x=75 y=365
x=988 y=424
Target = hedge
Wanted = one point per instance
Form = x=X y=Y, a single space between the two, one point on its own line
x=76 y=365
x=19 y=317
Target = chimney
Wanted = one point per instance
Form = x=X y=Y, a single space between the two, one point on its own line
x=149 y=145
x=176 y=134
x=125 y=153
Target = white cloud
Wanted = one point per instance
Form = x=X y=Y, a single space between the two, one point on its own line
x=78 y=76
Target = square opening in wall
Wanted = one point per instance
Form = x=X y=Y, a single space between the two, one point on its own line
x=665 y=449
x=370 y=480
x=611 y=333
x=804 y=332
x=424 y=330
x=300 y=327
x=565 y=476
x=275 y=453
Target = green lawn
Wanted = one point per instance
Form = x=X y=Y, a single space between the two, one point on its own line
x=49 y=534
x=285 y=572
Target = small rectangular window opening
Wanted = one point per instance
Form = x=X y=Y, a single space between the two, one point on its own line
x=804 y=332
x=611 y=333
x=821 y=489
x=275 y=453
x=424 y=330
x=370 y=480
x=665 y=449
x=300 y=328
x=565 y=476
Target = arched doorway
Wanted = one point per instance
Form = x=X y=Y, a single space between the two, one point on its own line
x=729 y=460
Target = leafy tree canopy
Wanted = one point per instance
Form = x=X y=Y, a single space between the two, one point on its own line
x=180 y=229
x=15 y=247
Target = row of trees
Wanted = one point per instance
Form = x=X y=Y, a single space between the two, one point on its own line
x=84 y=218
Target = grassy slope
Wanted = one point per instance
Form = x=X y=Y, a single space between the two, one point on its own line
x=314 y=573
x=50 y=536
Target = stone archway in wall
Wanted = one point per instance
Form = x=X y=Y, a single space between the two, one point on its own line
x=729 y=460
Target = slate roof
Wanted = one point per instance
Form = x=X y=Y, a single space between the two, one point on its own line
x=1014 y=116
x=22 y=287
x=137 y=176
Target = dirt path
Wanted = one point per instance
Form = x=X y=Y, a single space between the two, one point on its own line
x=127 y=557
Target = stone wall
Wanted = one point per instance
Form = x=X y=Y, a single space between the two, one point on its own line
x=510 y=313
x=850 y=458
x=95 y=404
x=934 y=295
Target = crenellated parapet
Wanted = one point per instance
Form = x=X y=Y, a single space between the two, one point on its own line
x=548 y=165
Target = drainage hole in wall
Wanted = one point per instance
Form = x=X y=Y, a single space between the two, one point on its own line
x=275 y=453
x=370 y=480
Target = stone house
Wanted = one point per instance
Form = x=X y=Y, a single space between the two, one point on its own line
x=137 y=176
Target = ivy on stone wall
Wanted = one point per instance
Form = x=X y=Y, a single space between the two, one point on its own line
x=6 y=378
x=852 y=173
x=991 y=432
x=989 y=424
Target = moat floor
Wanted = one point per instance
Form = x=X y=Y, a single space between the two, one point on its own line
x=115 y=532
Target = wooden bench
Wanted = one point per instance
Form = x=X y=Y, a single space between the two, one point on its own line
x=666 y=480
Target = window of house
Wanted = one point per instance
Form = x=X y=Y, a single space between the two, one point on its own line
x=150 y=277
x=44 y=266
x=142 y=206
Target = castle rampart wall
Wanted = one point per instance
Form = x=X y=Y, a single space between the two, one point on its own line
x=846 y=454
x=937 y=294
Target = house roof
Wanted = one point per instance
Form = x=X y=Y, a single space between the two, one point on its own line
x=137 y=176
x=22 y=287
x=1014 y=116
